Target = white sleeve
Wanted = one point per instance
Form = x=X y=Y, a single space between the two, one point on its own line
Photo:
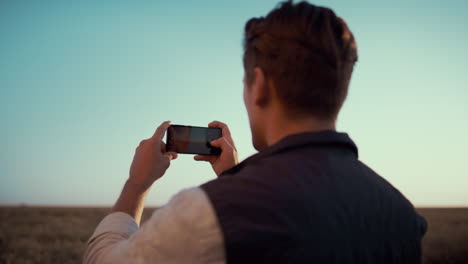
x=185 y=230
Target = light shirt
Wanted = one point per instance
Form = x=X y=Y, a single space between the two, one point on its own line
x=185 y=230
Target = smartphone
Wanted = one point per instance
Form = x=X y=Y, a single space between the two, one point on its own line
x=192 y=140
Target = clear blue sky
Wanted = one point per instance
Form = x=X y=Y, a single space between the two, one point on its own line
x=82 y=82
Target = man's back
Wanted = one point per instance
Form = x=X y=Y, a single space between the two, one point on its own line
x=308 y=198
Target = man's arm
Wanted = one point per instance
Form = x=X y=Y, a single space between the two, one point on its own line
x=185 y=230
x=131 y=201
x=149 y=164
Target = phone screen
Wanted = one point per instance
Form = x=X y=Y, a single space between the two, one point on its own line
x=192 y=140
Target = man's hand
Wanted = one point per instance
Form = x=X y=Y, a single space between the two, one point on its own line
x=151 y=159
x=149 y=164
x=228 y=157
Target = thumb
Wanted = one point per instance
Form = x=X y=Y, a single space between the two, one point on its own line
x=218 y=143
x=171 y=155
x=211 y=159
x=202 y=157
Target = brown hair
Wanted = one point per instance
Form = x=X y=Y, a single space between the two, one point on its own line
x=308 y=53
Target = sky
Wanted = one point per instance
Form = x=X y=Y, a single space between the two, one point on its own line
x=83 y=82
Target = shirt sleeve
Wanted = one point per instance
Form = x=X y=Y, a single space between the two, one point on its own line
x=185 y=230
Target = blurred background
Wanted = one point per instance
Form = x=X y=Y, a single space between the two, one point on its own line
x=82 y=82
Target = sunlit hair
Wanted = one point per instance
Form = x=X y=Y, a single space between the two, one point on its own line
x=309 y=54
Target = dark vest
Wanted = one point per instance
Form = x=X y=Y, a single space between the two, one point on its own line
x=308 y=199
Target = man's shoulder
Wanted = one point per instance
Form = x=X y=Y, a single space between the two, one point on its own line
x=238 y=179
x=262 y=173
x=261 y=186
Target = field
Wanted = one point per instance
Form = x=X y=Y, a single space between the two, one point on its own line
x=59 y=235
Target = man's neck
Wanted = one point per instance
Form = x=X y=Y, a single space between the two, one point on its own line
x=282 y=126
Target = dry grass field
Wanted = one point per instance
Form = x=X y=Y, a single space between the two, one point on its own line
x=59 y=235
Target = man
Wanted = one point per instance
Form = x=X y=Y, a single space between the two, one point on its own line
x=303 y=198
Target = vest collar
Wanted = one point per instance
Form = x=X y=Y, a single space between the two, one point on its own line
x=330 y=138
x=320 y=138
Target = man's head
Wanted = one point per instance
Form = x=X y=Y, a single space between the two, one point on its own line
x=298 y=59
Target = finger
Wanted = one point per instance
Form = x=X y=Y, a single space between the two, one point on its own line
x=160 y=131
x=219 y=124
x=201 y=157
x=141 y=144
x=224 y=130
x=221 y=143
x=171 y=155
x=216 y=143
x=209 y=158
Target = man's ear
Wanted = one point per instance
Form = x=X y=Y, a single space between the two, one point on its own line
x=260 y=89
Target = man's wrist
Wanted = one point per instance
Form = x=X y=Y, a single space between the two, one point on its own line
x=136 y=187
x=131 y=200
